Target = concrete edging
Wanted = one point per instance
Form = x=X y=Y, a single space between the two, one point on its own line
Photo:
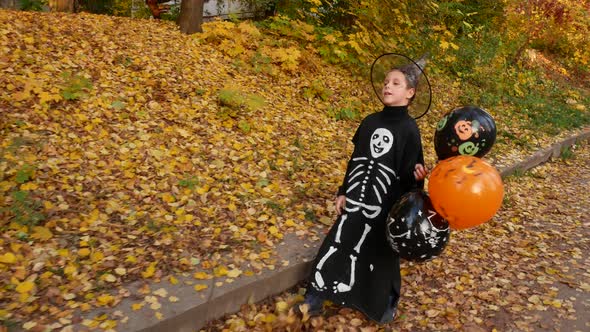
x=541 y=156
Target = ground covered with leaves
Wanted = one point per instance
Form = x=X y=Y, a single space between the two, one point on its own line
x=526 y=270
x=130 y=151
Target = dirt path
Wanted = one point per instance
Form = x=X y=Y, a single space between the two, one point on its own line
x=550 y=208
x=526 y=270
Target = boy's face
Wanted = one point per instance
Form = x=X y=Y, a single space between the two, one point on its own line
x=395 y=89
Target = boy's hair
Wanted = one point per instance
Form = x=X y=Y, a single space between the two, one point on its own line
x=412 y=72
x=411 y=80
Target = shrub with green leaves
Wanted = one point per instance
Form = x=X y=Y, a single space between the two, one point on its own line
x=317 y=90
x=235 y=99
x=75 y=86
x=33 y=5
x=24 y=210
x=346 y=113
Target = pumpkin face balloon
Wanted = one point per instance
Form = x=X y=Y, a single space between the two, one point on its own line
x=468 y=131
x=466 y=191
x=414 y=230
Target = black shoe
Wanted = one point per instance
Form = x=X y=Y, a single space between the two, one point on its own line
x=390 y=313
x=314 y=304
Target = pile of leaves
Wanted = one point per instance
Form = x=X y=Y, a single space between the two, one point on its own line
x=132 y=153
x=523 y=271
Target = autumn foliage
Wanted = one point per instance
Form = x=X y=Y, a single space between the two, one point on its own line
x=129 y=153
x=131 y=157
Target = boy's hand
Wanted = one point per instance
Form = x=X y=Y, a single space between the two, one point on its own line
x=420 y=172
x=340 y=203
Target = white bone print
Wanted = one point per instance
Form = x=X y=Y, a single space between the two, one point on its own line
x=342 y=287
x=342 y=220
x=358 y=246
x=328 y=254
x=319 y=280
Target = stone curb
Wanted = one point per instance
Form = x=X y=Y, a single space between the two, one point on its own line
x=541 y=156
x=194 y=310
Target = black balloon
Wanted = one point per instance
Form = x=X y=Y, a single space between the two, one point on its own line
x=415 y=230
x=467 y=130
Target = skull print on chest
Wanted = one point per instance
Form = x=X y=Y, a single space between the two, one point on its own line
x=381 y=142
x=375 y=178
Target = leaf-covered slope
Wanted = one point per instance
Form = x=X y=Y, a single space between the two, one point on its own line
x=129 y=150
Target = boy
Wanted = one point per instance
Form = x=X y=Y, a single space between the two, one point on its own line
x=355 y=267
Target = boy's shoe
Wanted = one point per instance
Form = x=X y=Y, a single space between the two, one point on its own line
x=390 y=313
x=314 y=304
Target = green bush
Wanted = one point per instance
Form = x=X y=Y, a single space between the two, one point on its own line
x=24 y=210
x=96 y=6
x=33 y=5
x=75 y=86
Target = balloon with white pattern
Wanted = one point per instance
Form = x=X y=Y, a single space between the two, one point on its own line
x=415 y=230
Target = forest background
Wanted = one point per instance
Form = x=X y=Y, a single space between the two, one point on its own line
x=124 y=141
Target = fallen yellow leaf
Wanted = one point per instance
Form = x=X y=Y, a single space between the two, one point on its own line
x=200 y=287
x=105 y=299
x=234 y=273
x=137 y=306
x=149 y=272
x=8 y=258
x=220 y=271
x=173 y=280
x=281 y=306
x=202 y=276
x=41 y=233
x=161 y=292
x=109 y=277
x=83 y=252
x=25 y=287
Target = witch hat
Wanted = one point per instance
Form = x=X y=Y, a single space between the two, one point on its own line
x=414 y=72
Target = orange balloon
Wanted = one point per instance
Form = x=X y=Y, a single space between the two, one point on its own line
x=466 y=191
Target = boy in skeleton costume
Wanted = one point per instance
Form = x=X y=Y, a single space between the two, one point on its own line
x=355 y=266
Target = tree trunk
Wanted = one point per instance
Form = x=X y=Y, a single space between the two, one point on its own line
x=62 y=5
x=191 y=16
x=11 y=4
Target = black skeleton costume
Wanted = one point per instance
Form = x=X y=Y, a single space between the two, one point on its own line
x=355 y=266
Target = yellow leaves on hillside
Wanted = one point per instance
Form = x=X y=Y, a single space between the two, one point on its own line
x=560 y=28
x=249 y=29
x=242 y=41
x=287 y=58
x=316 y=3
x=446 y=44
x=162 y=153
